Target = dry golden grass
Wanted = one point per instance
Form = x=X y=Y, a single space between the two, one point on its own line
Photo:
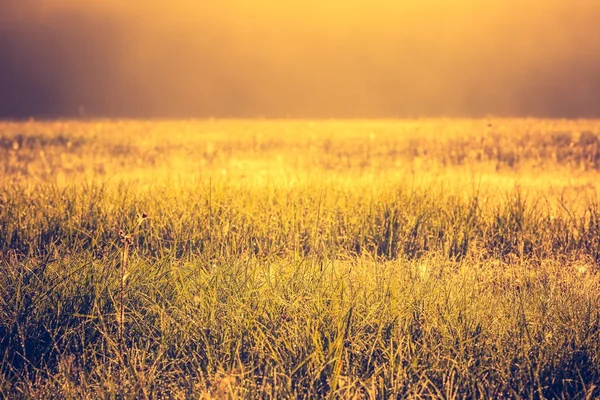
x=277 y=259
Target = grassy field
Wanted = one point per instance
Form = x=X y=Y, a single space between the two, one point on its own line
x=300 y=259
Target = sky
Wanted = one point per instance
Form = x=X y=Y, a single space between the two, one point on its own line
x=299 y=59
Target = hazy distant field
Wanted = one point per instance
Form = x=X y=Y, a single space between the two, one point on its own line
x=282 y=259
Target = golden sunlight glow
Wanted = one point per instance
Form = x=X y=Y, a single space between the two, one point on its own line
x=299 y=198
x=313 y=58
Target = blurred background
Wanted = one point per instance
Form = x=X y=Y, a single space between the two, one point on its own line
x=299 y=59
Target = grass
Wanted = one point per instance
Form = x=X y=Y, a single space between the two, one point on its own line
x=293 y=259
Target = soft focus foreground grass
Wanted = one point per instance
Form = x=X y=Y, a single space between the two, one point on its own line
x=279 y=259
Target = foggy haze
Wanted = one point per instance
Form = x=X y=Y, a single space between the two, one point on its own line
x=269 y=58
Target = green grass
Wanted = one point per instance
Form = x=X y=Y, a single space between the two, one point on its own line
x=289 y=259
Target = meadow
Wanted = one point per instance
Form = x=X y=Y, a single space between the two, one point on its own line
x=300 y=259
